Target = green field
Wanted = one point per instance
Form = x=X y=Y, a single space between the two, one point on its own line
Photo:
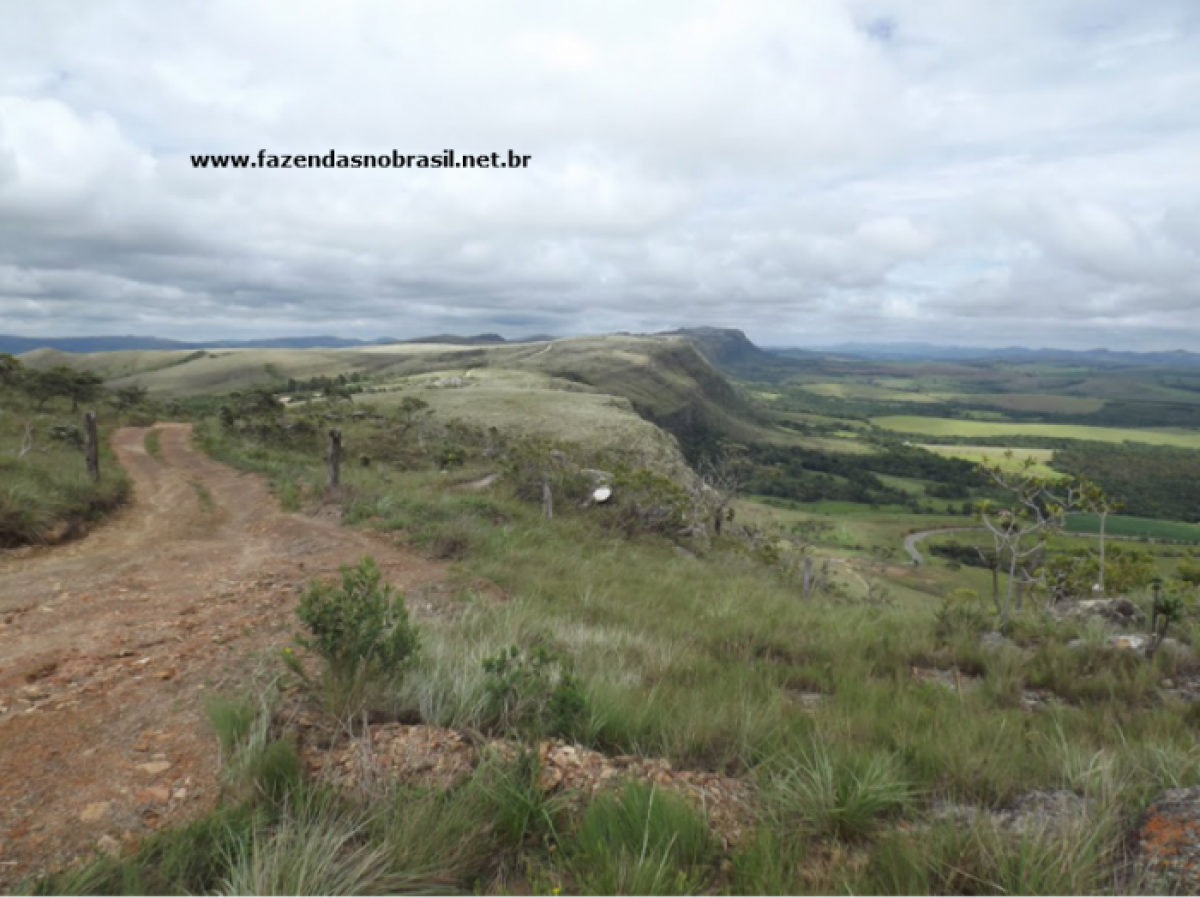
x=950 y=427
x=852 y=390
x=994 y=455
x=1139 y=528
x=1035 y=402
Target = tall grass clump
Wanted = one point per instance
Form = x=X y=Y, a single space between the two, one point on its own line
x=319 y=847
x=845 y=795
x=983 y=857
x=190 y=860
x=257 y=765
x=642 y=841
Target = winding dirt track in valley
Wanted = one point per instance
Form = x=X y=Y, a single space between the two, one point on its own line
x=108 y=647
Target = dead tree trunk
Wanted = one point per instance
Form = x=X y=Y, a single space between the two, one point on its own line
x=547 y=500
x=91 y=445
x=334 y=459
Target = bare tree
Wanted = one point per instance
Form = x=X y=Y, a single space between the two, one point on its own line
x=724 y=475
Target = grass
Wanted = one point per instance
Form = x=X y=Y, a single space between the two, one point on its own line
x=203 y=495
x=46 y=495
x=1050 y=403
x=1139 y=528
x=518 y=402
x=318 y=848
x=698 y=657
x=642 y=841
x=998 y=455
x=153 y=444
x=952 y=427
x=852 y=390
x=845 y=796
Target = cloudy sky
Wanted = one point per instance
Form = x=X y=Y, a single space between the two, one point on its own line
x=960 y=171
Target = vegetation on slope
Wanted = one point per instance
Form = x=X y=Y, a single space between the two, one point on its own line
x=880 y=737
x=45 y=492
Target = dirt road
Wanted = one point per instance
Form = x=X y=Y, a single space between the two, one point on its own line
x=108 y=647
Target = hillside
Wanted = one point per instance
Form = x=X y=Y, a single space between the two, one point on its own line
x=16 y=345
x=664 y=379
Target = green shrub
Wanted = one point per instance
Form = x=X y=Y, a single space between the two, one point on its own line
x=961 y=613
x=360 y=622
x=533 y=693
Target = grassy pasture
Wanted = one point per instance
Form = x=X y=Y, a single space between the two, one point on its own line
x=996 y=455
x=1140 y=528
x=528 y=402
x=853 y=390
x=949 y=427
x=1035 y=402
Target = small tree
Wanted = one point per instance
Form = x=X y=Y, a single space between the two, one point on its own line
x=1036 y=508
x=82 y=386
x=411 y=411
x=125 y=398
x=1095 y=501
x=10 y=369
x=42 y=386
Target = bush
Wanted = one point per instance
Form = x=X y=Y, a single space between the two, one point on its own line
x=533 y=694
x=358 y=624
x=961 y=614
x=646 y=502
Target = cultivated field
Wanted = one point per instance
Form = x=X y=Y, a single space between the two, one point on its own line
x=947 y=427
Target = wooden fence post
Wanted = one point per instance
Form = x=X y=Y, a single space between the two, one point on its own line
x=547 y=499
x=334 y=460
x=91 y=445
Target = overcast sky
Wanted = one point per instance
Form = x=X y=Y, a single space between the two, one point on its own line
x=959 y=171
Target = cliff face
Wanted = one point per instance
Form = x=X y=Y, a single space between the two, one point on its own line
x=723 y=346
x=669 y=382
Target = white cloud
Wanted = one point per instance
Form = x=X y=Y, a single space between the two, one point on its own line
x=934 y=169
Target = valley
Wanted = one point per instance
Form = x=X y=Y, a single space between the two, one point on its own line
x=791 y=580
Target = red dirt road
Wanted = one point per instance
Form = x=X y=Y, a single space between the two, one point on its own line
x=109 y=645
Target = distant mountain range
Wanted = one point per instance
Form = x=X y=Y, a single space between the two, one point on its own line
x=17 y=345
x=1178 y=358
x=726 y=347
